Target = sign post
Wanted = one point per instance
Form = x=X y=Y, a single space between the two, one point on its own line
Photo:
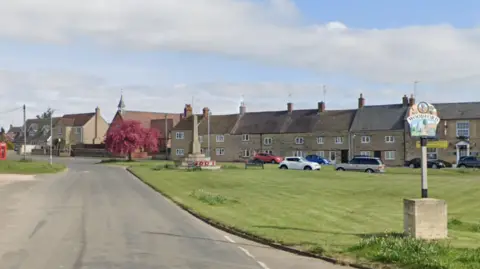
x=423 y=121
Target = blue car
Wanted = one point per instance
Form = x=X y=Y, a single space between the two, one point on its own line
x=317 y=159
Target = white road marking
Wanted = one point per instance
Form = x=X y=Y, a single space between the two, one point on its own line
x=263 y=265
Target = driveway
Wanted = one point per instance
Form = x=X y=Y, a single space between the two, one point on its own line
x=95 y=216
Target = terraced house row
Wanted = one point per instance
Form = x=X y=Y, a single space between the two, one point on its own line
x=379 y=130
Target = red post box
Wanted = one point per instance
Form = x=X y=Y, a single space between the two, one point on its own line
x=3 y=151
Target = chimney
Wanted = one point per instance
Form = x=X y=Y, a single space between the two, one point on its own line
x=187 y=111
x=411 y=101
x=361 y=101
x=289 y=107
x=321 y=107
x=242 y=108
x=405 y=100
x=206 y=112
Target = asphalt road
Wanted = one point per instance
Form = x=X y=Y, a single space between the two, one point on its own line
x=95 y=216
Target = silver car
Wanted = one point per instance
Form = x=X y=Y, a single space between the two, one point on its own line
x=362 y=164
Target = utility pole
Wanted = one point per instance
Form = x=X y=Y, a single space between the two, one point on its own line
x=208 y=132
x=51 y=136
x=24 y=132
x=166 y=136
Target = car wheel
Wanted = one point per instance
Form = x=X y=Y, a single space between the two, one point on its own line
x=434 y=166
x=411 y=165
x=462 y=166
x=369 y=171
x=274 y=162
x=307 y=168
x=283 y=167
x=340 y=169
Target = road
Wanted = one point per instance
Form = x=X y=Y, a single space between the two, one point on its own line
x=94 y=216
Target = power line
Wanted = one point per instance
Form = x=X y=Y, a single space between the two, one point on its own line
x=11 y=110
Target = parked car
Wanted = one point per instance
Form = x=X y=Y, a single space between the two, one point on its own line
x=435 y=164
x=317 y=159
x=469 y=162
x=267 y=158
x=363 y=164
x=298 y=163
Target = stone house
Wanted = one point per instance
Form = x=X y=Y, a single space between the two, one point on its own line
x=81 y=128
x=38 y=132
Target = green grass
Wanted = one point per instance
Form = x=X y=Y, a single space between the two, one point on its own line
x=350 y=215
x=29 y=167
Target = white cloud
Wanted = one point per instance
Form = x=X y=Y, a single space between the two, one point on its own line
x=268 y=31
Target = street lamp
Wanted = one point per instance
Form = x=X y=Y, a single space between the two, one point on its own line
x=166 y=136
x=208 y=132
x=51 y=136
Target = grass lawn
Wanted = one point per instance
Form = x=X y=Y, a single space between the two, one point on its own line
x=29 y=167
x=350 y=215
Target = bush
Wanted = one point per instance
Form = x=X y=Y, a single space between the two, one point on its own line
x=10 y=145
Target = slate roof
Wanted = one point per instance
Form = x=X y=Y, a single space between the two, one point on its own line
x=77 y=120
x=261 y=122
x=219 y=124
x=379 y=118
x=335 y=120
x=451 y=111
x=39 y=136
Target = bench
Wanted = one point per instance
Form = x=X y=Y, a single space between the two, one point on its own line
x=256 y=163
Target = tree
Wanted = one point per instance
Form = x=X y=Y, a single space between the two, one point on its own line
x=130 y=137
x=46 y=115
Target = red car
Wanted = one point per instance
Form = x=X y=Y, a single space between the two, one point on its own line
x=267 y=158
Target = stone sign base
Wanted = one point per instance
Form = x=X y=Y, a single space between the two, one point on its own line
x=197 y=160
x=425 y=218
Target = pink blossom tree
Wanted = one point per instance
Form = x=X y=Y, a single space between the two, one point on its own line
x=130 y=137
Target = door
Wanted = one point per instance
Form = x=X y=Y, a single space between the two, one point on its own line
x=344 y=156
x=332 y=156
x=377 y=154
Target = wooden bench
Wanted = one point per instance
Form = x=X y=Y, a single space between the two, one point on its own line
x=256 y=163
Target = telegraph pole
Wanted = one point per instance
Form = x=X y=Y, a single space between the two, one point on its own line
x=24 y=132
x=166 y=136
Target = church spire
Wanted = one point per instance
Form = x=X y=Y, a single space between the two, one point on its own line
x=121 y=104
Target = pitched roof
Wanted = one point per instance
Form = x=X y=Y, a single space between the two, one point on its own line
x=334 y=120
x=39 y=135
x=78 y=119
x=379 y=118
x=261 y=122
x=143 y=117
x=219 y=124
x=15 y=129
x=450 y=111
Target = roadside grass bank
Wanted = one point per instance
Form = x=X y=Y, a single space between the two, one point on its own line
x=29 y=167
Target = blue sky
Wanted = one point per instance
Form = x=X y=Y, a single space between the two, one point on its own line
x=265 y=55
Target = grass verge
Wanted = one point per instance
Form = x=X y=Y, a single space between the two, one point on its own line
x=341 y=215
x=29 y=167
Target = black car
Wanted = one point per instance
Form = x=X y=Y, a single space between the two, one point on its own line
x=470 y=161
x=435 y=164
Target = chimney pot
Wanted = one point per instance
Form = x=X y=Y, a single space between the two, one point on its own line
x=405 y=100
x=321 y=106
x=242 y=108
x=206 y=111
x=411 y=101
x=361 y=101
x=289 y=107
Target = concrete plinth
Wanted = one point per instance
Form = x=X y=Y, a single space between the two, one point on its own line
x=425 y=218
x=198 y=160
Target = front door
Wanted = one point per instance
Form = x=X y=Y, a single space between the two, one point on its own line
x=333 y=155
x=344 y=156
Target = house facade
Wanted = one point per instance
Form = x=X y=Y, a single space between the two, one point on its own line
x=377 y=130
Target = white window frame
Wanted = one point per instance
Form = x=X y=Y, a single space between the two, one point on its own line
x=220 y=138
x=366 y=139
x=179 y=135
x=245 y=137
x=219 y=151
x=298 y=153
x=77 y=130
x=59 y=131
x=299 y=140
x=338 y=140
x=320 y=140
x=267 y=141
x=390 y=155
x=246 y=153
x=432 y=153
x=389 y=139
x=180 y=152
x=320 y=153
x=462 y=131
x=366 y=153
x=200 y=139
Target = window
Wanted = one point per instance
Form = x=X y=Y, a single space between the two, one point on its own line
x=200 y=139
x=299 y=140
x=366 y=139
x=77 y=130
x=179 y=152
x=320 y=140
x=338 y=140
x=220 y=151
x=267 y=141
x=365 y=153
x=220 y=139
x=298 y=153
x=463 y=128
x=389 y=155
x=432 y=154
x=245 y=137
x=179 y=135
x=321 y=154
x=59 y=131
x=389 y=139
x=246 y=153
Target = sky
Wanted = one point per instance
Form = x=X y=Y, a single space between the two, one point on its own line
x=163 y=54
